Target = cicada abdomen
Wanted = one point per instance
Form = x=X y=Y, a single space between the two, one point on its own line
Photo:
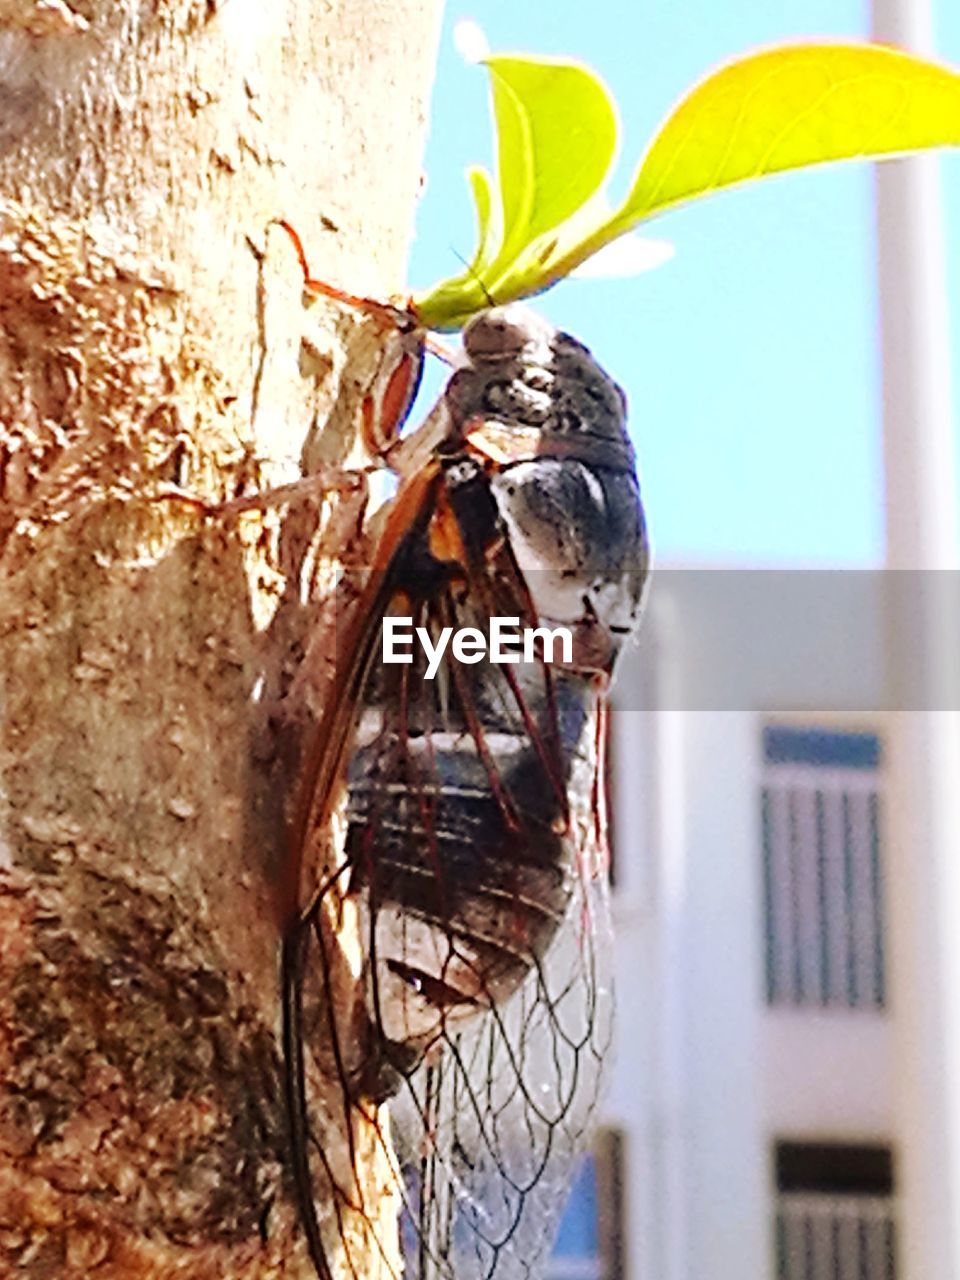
x=473 y=856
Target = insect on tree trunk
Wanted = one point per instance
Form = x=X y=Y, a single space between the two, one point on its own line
x=153 y=336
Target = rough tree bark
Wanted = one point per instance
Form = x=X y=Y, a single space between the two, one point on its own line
x=152 y=332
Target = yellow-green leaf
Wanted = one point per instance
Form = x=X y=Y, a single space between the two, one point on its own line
x=557 y=138
x=769 y=112
x=788 y=108
x=488 y=235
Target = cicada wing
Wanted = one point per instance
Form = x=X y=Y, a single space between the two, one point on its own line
x=449 y=966
x=323 y=1034
x=354 y=642
x=491 y=1127
x=490 y=1123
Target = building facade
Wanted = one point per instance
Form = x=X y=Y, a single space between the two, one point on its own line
x=751 y=1125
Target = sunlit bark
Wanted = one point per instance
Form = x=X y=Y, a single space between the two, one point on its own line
x=152 y=335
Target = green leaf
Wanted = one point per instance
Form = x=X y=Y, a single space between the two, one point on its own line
x=488 y=235
x=557 y=137
x=784 y=108
x=789 y=108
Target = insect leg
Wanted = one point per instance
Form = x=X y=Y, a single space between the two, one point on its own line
x=292 y=965
x=320 y=483
x=388 y=402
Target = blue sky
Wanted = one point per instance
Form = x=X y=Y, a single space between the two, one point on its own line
x=750 y=359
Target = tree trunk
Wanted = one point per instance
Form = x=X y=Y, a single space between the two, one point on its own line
x=152 y=334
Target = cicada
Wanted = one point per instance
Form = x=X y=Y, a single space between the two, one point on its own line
x=447 y=963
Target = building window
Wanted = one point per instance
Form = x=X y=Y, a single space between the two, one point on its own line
x=822 y=868
x=590 y=1241
x=834 y=1215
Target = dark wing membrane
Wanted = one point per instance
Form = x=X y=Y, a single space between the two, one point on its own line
x=354 y=644
x=449 y=967
x=312 y=978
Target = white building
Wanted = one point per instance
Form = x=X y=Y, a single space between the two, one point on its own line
x=754 y=1095
x=788 y=859
x=788 y=863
